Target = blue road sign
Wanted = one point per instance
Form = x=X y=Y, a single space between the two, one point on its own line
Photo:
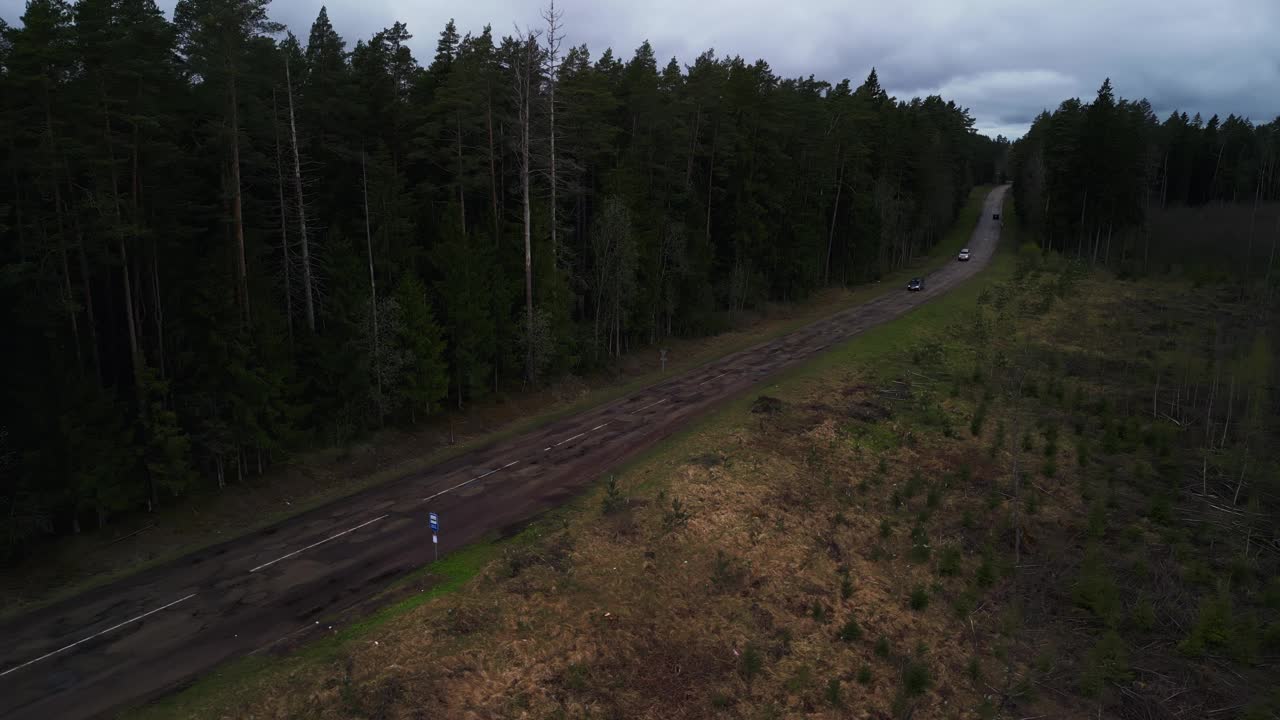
x=435 y=522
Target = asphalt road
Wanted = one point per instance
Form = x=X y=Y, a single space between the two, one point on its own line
x=146 y=634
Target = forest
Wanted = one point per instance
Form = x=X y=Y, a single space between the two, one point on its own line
x=221 y=243
x=1110 y=183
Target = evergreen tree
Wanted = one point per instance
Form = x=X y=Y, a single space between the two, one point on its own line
x=1088 y=176
x=426 y=379
x=168 y=186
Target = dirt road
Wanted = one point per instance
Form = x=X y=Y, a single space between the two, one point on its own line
x=143 y=635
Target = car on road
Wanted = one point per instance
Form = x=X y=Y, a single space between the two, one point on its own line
x=964 y=255
x=995 y=216
x=916 y=285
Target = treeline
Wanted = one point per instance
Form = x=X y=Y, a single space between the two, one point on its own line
x=1092 y=178
x=221 y=242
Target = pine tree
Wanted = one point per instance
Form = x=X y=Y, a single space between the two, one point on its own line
x=426 y=379
x=157 y=178
x=214 y=36
x=464 y=269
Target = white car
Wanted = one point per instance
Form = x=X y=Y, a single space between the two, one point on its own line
x=964 y=255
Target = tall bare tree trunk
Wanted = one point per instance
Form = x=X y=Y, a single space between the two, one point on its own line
x=524 y=91
x=373 y=286
x=284 y=224
x=88 y=301
x=693 y=144
x=493 y=171
x=1155 y=394
x=128 y=304
x=1235 y=499
x=1208 y=413
x=1231 y=399
x=68 y=297
x=1084 y=204
x=308 y=302
x=237 y=214
x=1217 y=163
x=553 y=56
x=1272 y=258
x=711 y=174
x=125 y=270
x=1253 y=217
x=831 y=236
x=1164 y=182
x=159 y=316
x=462 y=198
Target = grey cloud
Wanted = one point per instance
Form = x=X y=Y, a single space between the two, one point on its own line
x=1006 y=60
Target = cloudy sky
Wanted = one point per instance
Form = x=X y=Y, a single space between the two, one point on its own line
x=1004 y=59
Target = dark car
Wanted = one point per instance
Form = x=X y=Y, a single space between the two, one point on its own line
x=995 y=216
x=916 y=285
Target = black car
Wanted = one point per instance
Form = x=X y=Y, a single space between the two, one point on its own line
x=916 y=285
x=995 y=216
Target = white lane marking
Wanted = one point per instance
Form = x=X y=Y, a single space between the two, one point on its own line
x=97 y=634
x=468 y=482
x=704 y=382
x=317 y=544
x=646 y=407
x=575 y=437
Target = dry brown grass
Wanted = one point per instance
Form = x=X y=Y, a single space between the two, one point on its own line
x=638 y=616
x=832 y=502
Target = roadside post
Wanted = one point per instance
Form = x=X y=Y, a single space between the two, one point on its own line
x=663 y=355
x=435 y=530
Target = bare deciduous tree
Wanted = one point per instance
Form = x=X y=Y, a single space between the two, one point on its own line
x=552 y=56
x=523 y=65
x=309 y=304
x=373 y=285
x=284 y=223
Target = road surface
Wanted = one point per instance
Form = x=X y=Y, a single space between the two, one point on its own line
x=145 y=634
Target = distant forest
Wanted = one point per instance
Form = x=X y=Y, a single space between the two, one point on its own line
x=222 y=244
x=1108 y=182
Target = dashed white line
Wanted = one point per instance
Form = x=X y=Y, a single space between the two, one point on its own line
x=317 y=544
x=656 y=402
x=95 y=635
x=704 y=382
x=468 y=482
x=575 y=437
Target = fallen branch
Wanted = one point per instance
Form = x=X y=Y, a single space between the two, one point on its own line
x=135 y=532
x=1152 y=672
